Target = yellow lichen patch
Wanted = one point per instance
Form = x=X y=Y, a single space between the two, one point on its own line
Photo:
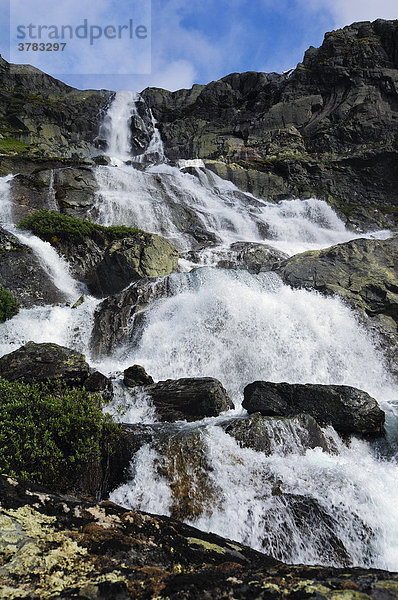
x=102 y=519
x=311 y=587
x=39 y=559
x=347 y=595
x=235 y=547
x=206 y=545
x=388 y=586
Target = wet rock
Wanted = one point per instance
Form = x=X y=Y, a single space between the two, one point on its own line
x=130 y=259
x=118 y=470
x=102 y=160
x=189 y=399
x=281 y=436
x=41 y=362
x=98 y=383
x=22 y=274
x=347 y=409
x=252 y=257
x=110 y=552
x=83 y=255
x=136 y=375
x=183 y=462
x=118 y=317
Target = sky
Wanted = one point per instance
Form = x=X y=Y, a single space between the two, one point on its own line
x=181 y=42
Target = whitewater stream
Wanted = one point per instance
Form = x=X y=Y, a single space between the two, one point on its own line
x=303 y=506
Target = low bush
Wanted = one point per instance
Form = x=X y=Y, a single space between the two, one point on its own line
x=51 y=226
x=8 y=305
x=50 y=434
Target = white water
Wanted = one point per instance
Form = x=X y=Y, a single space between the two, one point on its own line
x=118 y=134
x=237 y=327
x=54 y=265
x=161 y=198
x=240 y=327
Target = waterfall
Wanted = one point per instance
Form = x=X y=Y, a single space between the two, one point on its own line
x=116 y=129
x=332 y=506
x=62 y=325
x=165 y=200
x=240 y=327
x=55 y=266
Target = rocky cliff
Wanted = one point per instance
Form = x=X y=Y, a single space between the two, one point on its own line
x=328 y=129
x=41 y=117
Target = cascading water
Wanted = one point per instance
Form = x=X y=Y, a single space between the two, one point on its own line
x=301 y=505
x=181 y=206
x=63 y=325
x=116 y=130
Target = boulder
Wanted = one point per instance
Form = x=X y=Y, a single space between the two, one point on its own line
x=189 y=399
x=130 y=259
x=22 y=274
x=363 y=272
x=34 y=363
x=184 y=463
x=347 y=409
x=275 y=435
x=252 y=257
x=117 y=318
x=135 y=376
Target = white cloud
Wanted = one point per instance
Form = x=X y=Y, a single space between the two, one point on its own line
x=177 y=75
x=345 y=12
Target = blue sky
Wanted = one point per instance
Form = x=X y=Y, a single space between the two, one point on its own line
x=196 y=42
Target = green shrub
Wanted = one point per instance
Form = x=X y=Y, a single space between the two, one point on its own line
x=51 y=226
x=52 y=434
x=8 y=305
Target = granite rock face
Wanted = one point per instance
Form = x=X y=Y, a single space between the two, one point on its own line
x=42 y=116
x=327 y=129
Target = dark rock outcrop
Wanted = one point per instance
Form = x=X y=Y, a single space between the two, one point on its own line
x=189 y=399
x=110 y=552
x=118 y=317
x=136 y=376
x=34 y=363
x=42 y=116
x=22 y=274
x=328 y=129
x=282 y=436
x=130 y=259
x=349 y=410
x=364 y=272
